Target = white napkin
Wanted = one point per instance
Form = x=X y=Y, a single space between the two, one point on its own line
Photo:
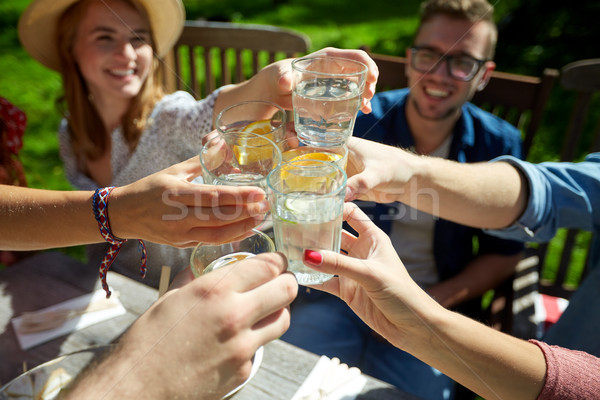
x=29 y=340
x=331 y=380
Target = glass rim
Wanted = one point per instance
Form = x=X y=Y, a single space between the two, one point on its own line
x=297 y=67
x=333 y=193
x=341 y=149
x=254 y=232
x=243 y=103
x=221 y=135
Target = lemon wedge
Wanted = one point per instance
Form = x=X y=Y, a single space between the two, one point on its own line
x=262 y=127
x=299 y=183
x=251 y=150
x=296 y=181
x=319 y=156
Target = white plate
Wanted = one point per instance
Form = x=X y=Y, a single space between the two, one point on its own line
x=255 y=366
x=37 y=383
x=29 y=384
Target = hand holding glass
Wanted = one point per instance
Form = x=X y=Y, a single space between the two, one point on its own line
x=208 y=257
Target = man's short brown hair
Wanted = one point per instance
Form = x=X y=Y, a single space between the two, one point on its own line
x=470 y=10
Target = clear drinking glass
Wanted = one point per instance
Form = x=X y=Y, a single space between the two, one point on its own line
x=208 y=257
x=307 y=199
x=238 y=159
x=254 y=116
x=294 y=150
x=326 y=98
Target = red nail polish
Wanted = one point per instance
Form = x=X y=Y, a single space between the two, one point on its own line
x=313 y=257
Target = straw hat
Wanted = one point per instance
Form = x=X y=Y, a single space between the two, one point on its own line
x=37 y=26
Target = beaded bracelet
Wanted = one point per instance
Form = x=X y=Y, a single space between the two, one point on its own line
x=100 y=207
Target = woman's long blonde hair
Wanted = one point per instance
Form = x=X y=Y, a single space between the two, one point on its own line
x=86 y=129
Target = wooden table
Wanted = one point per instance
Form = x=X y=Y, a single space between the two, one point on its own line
x=51 y=277
x=285 y=367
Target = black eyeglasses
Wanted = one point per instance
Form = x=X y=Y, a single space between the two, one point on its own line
x=460 y=67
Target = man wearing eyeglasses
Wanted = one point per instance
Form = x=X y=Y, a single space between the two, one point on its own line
x=450 y=60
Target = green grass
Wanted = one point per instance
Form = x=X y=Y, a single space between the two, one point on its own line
x=34 y=89
x=576 y=262
x=386 y=27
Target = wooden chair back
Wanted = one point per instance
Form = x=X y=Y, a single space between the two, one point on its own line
x=518 y=99
x=212 y=54
x=583 y=78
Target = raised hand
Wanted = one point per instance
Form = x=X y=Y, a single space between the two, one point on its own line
x=377 y=172
x=276 y=79
x=372 y=279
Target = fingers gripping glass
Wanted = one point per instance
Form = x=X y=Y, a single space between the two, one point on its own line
x=461 y=67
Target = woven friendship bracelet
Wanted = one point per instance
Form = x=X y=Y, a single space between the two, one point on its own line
x=100 y=207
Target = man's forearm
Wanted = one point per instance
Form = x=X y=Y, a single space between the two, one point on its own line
x=116 y=376
x=483 y=195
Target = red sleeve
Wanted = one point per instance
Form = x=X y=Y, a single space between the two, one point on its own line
x=570 y=374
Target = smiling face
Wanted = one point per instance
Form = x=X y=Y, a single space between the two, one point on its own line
x=112 y=48
x=436 y=95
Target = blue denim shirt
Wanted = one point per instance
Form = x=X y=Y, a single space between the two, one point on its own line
x=478 y=136
x=566 y=195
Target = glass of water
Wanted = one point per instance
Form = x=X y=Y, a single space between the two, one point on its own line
x=238 y=159
x=306 y=199
x=326 y=98
x=208 y=257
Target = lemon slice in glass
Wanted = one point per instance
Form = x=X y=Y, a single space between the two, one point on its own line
x=299 y=205
x=262 y=127
x=297 y=182
x=317 y=155
x=251 y=150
